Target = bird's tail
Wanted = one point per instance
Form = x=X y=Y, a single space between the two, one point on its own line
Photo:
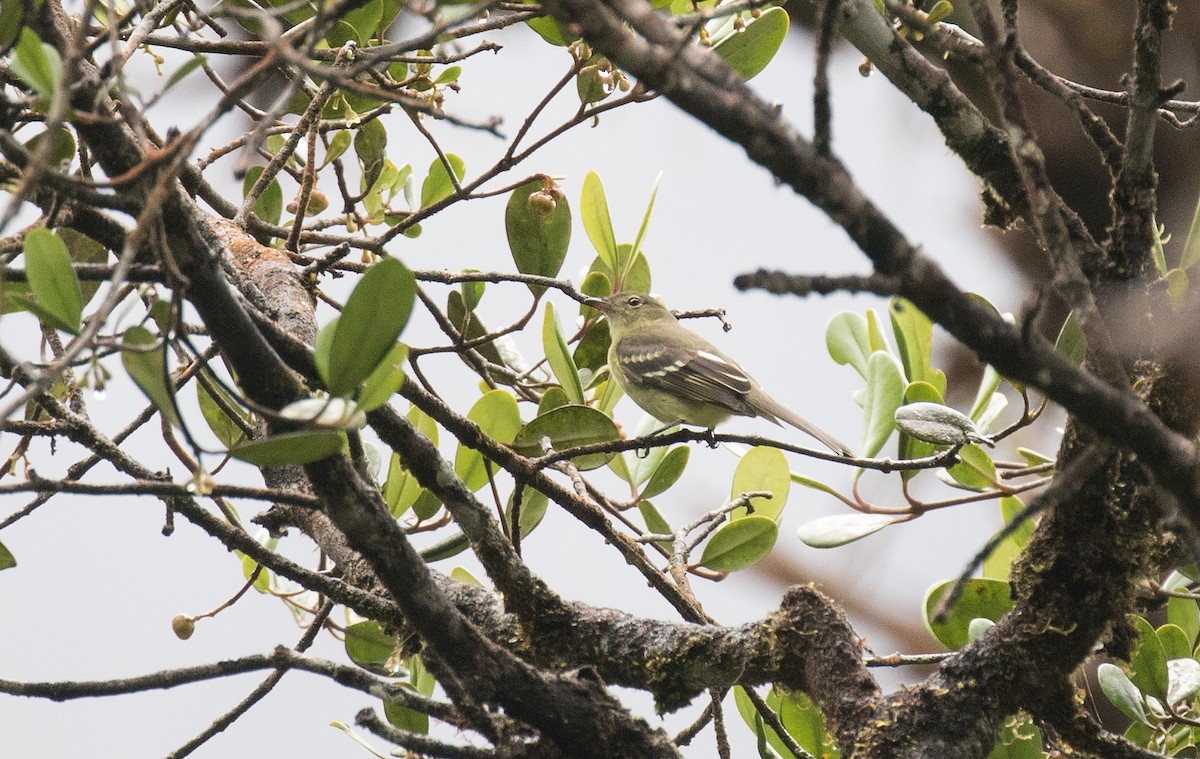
x=768 y=407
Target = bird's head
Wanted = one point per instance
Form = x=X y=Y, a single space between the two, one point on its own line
x=626 y=310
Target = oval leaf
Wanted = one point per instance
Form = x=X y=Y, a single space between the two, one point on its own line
x=370 y=647
x=885 y=393
x=147 y=367
x=840 y=529
x=748 y=52
x=569 y=427
x=1121 y=691
x=438 y=186
x=740 y=544
x=558 y=355
x=497 y=415
x=914 y=340
x=367 y=329
x=1149 y=660
x=213 y=406
x=290 y=448
x=762 y=468
x=593 y=207
x=986 y=599
x=385 y=381
x=847 y=342
x=668 y=472
x=52 y=280
x=538 y=234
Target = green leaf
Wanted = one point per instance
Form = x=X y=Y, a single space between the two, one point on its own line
x=181 y=73
x=360 y=24
x=534 y=504
x=885 y=394
x=37 y=64
x=538 y=236
x=558 y=355
x=1071 y=342
x=1185 y=614
x=763 y=733
x=449 y=74
x=147 y=367
x=471 y=327
x=269 y=204
x=437 y=185
x=997 y=564
x=447 y=548
x=554 y=397
x=401 y=489
x=405 y=718
x=83 y=250
x=656 y=524
x=840 y=529
x=1191 y=246
x=291 y=448
x=1121 y=691
x=62 y=152
x=371 y=648
x=914 y=340
x=12 y=19
x=987 y=387
x=940 y=11
x=975 y=470
x=803 y=721
x=569 y=427
x=498 y=417
x=748 y=52
x=668 y=472
x=463 y=575
x=385 y=381
x=225 y=427
x=53 y=281
x=641 y=464
x=549 y=30
x=981 y=598
x=593 y=207
x=7 y=560
x=641 y=233
x=740 y=544
x=372 y=319
x=592 y=351
x=370 y=144
x=809 y=482
x=847 y=342
x=338 y=145
x=875 y=337
x=472 y=293
x=1174 y=641
x=762 y=468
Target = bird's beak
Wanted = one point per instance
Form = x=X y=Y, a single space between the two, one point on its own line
x=599 y=304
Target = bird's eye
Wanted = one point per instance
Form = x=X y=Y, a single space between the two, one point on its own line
x=634 y=301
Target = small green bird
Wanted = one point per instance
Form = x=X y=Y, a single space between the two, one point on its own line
x=677 y=376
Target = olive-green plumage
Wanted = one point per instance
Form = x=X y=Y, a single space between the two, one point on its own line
x=677 y=376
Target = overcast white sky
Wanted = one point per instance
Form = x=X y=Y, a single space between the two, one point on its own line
x=97 y=584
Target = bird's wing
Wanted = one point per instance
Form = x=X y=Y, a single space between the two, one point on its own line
x=696 y=374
